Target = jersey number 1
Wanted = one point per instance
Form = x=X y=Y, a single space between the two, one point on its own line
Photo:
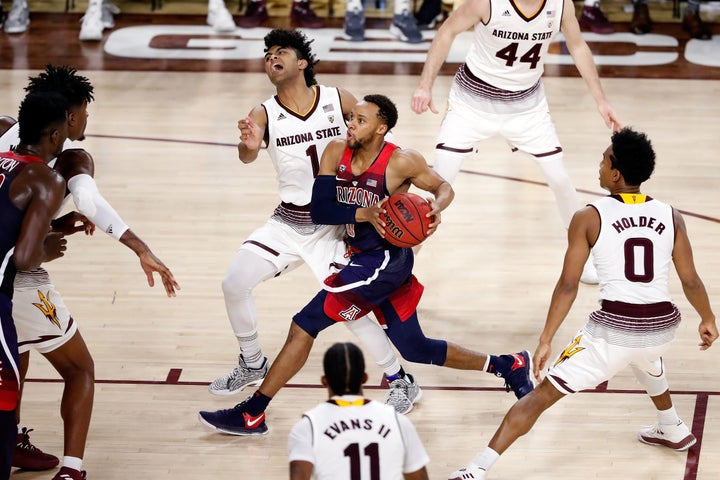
x=314 y=161
x=353 y=452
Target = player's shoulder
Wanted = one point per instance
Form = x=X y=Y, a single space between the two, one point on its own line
x=6 y=124
x=75 y=161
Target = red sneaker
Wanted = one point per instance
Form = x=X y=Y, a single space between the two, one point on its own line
x=28 y=457
x=255 y=14
x=66 y=473
x=304 y=16
x=594 y=20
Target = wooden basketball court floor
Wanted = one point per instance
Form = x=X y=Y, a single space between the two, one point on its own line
x=164 y=146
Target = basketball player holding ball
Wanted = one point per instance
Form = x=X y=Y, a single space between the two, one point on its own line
x=356 y=177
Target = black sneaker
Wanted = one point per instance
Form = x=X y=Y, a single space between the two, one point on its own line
x=235 y=421
x=518 y=375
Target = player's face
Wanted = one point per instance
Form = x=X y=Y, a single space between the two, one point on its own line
x=282 y=63
x=77 y=122
x=606 y=170
x=363 y=124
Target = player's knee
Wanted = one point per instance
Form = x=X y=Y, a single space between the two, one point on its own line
x=236 y=285
x=425 y=350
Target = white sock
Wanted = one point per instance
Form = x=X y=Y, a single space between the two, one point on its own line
x=19 y=426
x=250 y=348
x=73 y=462
x=668 y=417
x=486 y=459
x=402 y=7
x=354 y=6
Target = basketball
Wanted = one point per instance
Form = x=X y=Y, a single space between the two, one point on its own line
x=405 y=221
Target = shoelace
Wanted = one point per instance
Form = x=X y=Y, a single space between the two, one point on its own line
x=25 y=442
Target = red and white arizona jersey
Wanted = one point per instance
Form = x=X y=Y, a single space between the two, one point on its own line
x=633 y=252
x=296 y=142
x=509 y=51
x=350 y=437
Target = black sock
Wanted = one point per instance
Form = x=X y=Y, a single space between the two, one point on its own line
x=500 y=363
x=257 y=404
x=400 y=374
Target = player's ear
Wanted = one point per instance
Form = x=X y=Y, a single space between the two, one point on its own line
x=382 y=129
x=323 y=381
x=302 y=64
x=365 y=379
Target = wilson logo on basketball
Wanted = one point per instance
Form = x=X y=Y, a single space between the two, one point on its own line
x=404 y=211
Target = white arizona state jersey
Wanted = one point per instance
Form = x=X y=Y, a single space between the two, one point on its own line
x=353 y=438
x=296 y=142
x=509 y=51
x=633 y=252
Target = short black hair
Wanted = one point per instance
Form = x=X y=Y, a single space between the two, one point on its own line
x=387 y=111
x=296 y=40
x=633 y=155
x=39 y=114
x=344 y=367
x=64 y=80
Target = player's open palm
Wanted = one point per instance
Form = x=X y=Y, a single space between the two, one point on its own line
x=250 y=133
x=540 y=359
x=150 y=263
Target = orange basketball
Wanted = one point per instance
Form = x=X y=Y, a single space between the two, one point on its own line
x=405 y=222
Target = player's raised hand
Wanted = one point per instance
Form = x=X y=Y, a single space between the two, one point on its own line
x=422 y=100
x=250 y=133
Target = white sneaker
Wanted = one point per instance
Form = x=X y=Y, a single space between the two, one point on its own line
x=403 y=394
x=108 y=11
x=220 y=20
x=471 y=472
x=676 y=437
x=18 y=19
x=92 y=25
x=589 y=273
x=242 y=376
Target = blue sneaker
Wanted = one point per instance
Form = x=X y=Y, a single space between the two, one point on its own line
x=354 y=28
x=235 y=421
x=518 y=374
x=405 y=28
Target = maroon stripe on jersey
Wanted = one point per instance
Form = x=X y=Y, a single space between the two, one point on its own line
x=293 y=214
x=264 y=247
x=655 y=319
x=557 y=150
x=316 y=102
x=638 y=310
x=468 y=82
x=442 y=146
x=522 y=15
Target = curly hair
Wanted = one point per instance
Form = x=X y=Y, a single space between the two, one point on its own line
x=64 y=80
x=297 y=41
x=387 y=111
x=633 y=155
x=39 y=112
x=344 y=367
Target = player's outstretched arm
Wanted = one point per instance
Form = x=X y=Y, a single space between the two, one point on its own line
x=582 y=56
x=78 y=168
x=150 y=263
